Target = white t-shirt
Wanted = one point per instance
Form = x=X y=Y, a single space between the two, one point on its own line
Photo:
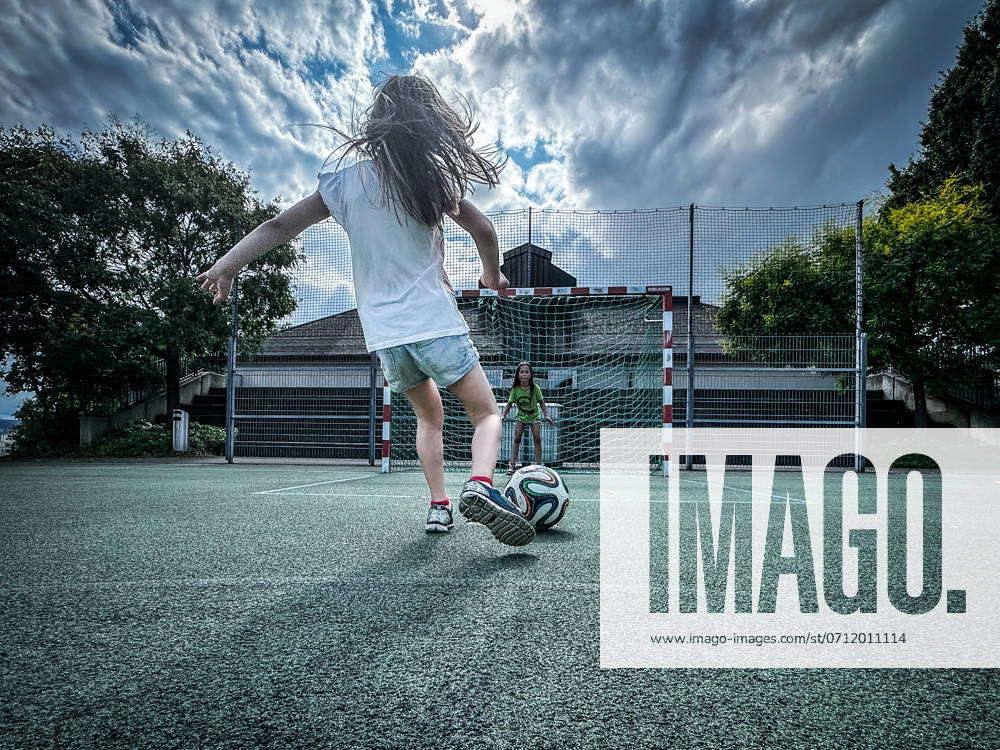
x=402 y=291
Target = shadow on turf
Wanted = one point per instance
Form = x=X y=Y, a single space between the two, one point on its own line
x=514 y=561
x=414 y=552
x=554 y=536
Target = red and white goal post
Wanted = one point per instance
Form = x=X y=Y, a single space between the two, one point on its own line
x=601 y=339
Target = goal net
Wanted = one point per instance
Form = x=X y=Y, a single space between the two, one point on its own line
x=602 y=357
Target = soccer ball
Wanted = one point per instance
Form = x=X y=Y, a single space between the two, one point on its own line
x=540 y=494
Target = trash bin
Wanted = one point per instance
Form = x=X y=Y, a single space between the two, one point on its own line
x=550 y=438
x=180 y=421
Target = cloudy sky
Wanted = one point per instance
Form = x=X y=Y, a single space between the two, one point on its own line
x=600 y=104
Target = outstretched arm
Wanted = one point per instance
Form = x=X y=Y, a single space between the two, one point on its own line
x=545 y=411
x=475 y=222
x=510 y=403
x=277 y=231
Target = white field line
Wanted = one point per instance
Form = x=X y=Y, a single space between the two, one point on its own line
x=573 y=499
x=419 y=496
x=314 y=484
x=103 y=467
x=285 y=490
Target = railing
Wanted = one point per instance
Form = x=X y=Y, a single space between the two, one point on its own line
x=984 y=395
x=155 y=374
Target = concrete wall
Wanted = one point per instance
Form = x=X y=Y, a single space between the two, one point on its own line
x=199 y=384
x=304 y=377
x=948 y=411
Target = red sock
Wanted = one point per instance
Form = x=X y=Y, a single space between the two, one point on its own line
x=484 y=480
x=445 y=501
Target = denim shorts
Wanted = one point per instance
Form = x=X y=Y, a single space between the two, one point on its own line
x=446 y=359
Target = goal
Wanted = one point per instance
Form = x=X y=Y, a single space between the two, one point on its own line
x=602 y=356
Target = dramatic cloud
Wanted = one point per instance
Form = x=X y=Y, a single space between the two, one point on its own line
x=239 y=75
x=712 y=101
x=602 y=104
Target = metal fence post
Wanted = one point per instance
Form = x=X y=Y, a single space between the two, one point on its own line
x=372 y=406
x=864 y=376
x=231 y=379
x=689 y=406
x=861 y=402
x=861 y=344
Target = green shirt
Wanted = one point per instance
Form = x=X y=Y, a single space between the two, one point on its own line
x=527 y=403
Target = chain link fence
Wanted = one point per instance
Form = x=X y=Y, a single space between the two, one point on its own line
x=312 y=391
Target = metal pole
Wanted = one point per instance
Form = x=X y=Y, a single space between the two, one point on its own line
x=861 y=343
x=689 y=408
x=864 y=375
x=231 y=379
x=372 y=407
x=529 y=225
x=862 y=402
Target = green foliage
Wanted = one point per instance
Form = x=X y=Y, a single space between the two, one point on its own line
x=206 y=439
x=143 y=438
x=932 y=288
x=136 y=438
x=960 y=135
x=100 y=240
x=47 y=433
x=931 y=276
x=46 y=429
x=803 y=293
x=793 y=289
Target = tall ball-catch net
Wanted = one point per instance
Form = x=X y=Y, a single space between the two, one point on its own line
x=598 y=358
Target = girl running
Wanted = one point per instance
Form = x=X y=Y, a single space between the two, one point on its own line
x=416 y=163
x=529 y=400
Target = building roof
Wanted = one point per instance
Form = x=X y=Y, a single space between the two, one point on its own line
x=340 y=336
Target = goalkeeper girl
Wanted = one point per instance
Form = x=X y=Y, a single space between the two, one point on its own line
x=415 y=163
x=527 y=396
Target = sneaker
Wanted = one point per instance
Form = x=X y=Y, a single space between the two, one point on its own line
x=481 y=503
x=439 y=519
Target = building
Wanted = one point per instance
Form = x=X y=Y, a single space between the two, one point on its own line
x=587 y=353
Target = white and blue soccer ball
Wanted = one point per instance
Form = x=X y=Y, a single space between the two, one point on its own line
x=540 y=494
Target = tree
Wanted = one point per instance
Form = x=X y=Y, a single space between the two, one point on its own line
x=100 y=242
x=931 y=276
x=794 y=288
x=932 y=290
x=960 y=135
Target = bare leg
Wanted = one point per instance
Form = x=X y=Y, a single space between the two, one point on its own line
x=478 y=502
x=536 y=433
x=427 y=406
x=476 y=395
x=515 y=449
